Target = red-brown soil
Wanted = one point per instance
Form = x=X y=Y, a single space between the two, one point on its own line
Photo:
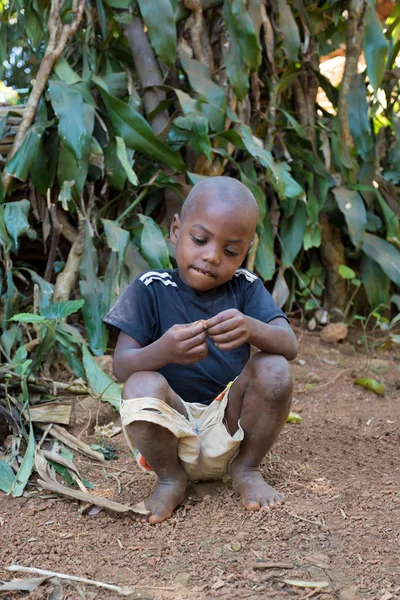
x=339 y=470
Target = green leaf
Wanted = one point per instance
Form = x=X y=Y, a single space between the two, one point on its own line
x=16 y=217
x=7 y=477
x=19 y=165
x=290 y=31
x=345 y=272
x=352 y=206
x=100 y=383
x=68 y=106
x=25 y=470
x=392 y=221
x=242 y=32
x=137 y=133
x=153 y=245
x=294 y=417
x=159 y=18
x=118 y=240
x=292 y=233
x=46 y=290
x=371 y=384
x=358 y=116
x=265 y=257
x=121 y=153
x=66 y=72
x=375 y=48
x=115 y=172
x=62 y=310
x=238 y=73
x=197 y=125
x=28 y=318
x=33 y=25
x=69 y=169
x=384 y=254
x=92 y=289
x=201 y=82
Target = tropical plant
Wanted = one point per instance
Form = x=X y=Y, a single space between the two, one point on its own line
x=129 y=103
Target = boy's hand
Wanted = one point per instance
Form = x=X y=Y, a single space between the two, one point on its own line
x=229 y=329
x=185 y=344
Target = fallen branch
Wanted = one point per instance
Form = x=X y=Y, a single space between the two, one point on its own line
x=123 y=591
x=73 y=442
x=66 y=280
x=58 y=488
x=272 y=565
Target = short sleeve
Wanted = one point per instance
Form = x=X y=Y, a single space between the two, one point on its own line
x=258 y=302
x=133 y=313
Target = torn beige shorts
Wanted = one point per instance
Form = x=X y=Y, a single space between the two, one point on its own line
x=206 y=449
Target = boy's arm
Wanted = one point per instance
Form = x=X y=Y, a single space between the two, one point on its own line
x=182 y=344
x=231 y=328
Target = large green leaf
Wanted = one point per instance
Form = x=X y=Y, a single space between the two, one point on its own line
x=26 y=468
x=62 y=310
x=100 y=383
x=195 y=123
x=358 y=116
x=201 y=82
x=238 y=72
x=384 y=254
x=68 y=106
x=159 y=18
x=121 y=153
x=118 y=240
x=33 y=25
x=16 y=217
x=153 y=245
x=137 y=133
x=352 y=206
x=375 y=48
x=290 y=31
x=392 y=221
x=376 y=283
x=92 y=290
x=114 y=171
x=7 y=477
x=242 y=32
x=265 y=257
x=69 y=169
x=20 y=164
x=292 y=233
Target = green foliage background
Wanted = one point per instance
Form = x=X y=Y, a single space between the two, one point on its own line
x=236 y=94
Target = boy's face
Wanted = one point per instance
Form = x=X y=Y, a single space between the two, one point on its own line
x=212 y=242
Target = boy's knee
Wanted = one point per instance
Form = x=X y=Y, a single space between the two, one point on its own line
x=273 y=374
x=145 y=384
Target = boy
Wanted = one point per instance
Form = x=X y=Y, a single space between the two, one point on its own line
x=185 y=335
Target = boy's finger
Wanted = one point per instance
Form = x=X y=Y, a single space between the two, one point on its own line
x=195 y=341
x=219 y=318
x=191 y=330
x=228 y=336
x=223 y=327
x=229 y=345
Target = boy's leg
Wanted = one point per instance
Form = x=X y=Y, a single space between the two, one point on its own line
x=260 y=398
x=158 y=446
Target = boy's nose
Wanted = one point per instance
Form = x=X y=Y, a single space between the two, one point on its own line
x=211 y=255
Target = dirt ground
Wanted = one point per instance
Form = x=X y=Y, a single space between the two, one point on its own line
x=340 y=472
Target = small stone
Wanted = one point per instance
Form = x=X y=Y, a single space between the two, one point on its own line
x=301 y=362
x=236 y=546
x=321 y=316
x=379 y=366
x=312 y=323
x=334 y=332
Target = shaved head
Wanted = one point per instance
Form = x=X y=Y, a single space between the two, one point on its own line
x=221 y=192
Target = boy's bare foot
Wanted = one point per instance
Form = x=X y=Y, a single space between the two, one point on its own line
x=168 y=494
x=255 y=492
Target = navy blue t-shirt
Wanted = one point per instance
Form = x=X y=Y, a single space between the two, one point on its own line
x=157 y=300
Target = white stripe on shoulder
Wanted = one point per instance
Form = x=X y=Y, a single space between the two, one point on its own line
x=248 y=274
x=156 y=274
x=157 y=278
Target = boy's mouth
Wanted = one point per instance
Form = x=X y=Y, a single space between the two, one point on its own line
x=204 y=272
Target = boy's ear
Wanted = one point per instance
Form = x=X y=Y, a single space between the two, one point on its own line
x=174 y=230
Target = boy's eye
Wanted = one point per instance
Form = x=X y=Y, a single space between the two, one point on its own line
x=231 y=253
x=198 y=240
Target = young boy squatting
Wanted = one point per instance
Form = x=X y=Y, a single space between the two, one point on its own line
x=184 y=335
